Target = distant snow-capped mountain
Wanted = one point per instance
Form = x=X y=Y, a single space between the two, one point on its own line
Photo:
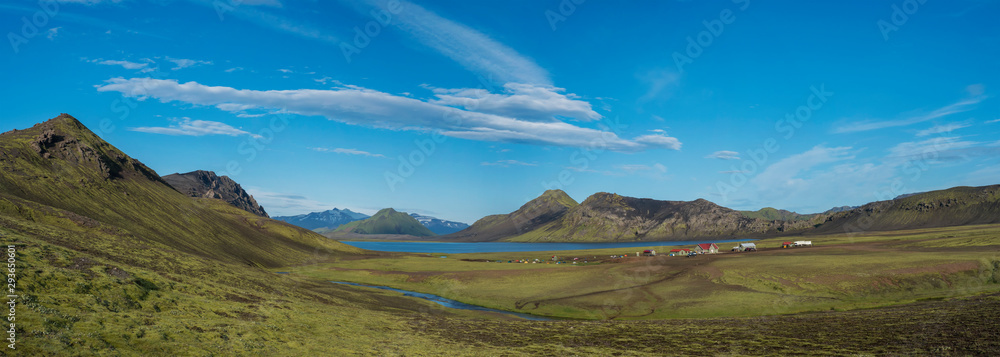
x=327 y=219
x=439 y=226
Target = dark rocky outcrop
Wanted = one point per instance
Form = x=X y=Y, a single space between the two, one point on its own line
x=206 y=184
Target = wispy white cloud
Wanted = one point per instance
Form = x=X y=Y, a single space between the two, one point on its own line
x=982 y=177
x=287 y=204
x=181 y=63
x=271 y=3
x=361 y=106
x=944 y=128
x=234 y=69
x=618 y=173
x=819 y=175
x=469 y=48
x=52 y=33
x=259 y=17
x=90 y=2
x=661 y=141
x=783 y=173
x=507 y=163
x=992 y=121
x=660 y=83
x=931 y=148
x=655 y=171
x=631 y=168
x=724 y=155
x=188 y=127
x=124 y=64
x=521 y=101
x=349 y=152
x=963 y=105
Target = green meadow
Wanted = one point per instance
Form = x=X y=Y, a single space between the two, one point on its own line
x=838 y=273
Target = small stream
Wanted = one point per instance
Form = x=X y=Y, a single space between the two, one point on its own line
x=448 y=302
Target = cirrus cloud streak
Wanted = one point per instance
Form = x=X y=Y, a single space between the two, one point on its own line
x=366 y=107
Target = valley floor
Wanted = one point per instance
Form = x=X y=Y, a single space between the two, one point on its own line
x=930 y=292
x=840 y=272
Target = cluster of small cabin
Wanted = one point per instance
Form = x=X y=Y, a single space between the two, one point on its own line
x=712 y=248
x=798 y=243
x=705 y=248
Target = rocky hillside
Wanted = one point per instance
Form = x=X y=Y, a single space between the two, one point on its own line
x=608 y=217
x=951 y=207
x=774 y=214
x=206 y=184
x=548 y=207
x=60 y=168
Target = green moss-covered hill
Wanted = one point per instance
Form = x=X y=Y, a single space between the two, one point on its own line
x=951 y=207
x=62 y=165
x=387 y=221
x=111 y=260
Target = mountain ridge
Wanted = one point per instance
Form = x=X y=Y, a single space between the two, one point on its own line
x=956 y=206
x=325 y=220
x=549 y=206
x=609 y=217
x=61 y=165
x=207 y=184
x=387 y=221
x=439 y=226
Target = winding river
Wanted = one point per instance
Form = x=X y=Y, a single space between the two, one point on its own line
x=447 y=302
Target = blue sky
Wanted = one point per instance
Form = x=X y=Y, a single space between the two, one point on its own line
x=461 y=109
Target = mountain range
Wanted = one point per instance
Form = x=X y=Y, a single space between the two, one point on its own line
x=387 y=221
x=608 y=217
x=110 y=256
x=326 y=220
x=61 y=164
x=330 y=220
x=439 y=226
x=207 y=184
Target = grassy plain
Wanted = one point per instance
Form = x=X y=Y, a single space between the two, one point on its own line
x=840 y=272
x=87 y=291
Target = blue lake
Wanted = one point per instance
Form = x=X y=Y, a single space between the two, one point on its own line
x=447 y=302
x=494 y=247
